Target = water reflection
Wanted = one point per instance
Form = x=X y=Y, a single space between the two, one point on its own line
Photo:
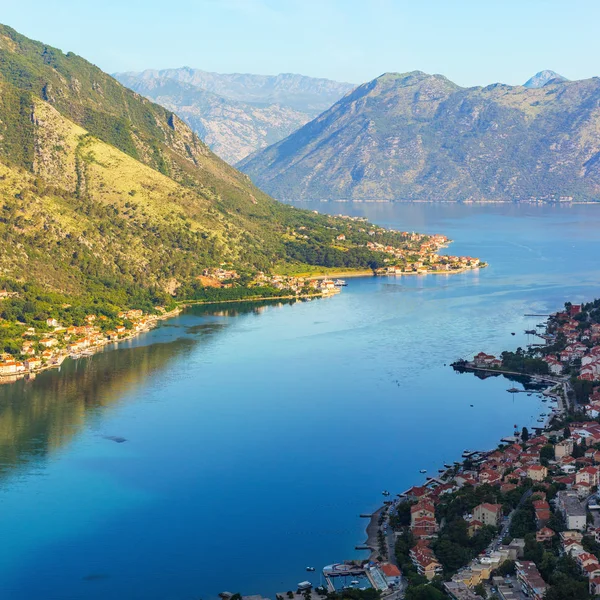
x=39 y=416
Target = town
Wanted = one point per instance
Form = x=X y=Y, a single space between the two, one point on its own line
x=49 y=346
x=520 y=521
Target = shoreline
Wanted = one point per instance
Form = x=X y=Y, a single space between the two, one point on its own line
x=373 y=528
x=89 y=352
x=187 y=303
x=450 y=202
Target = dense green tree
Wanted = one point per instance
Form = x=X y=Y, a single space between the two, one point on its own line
x=424 y=592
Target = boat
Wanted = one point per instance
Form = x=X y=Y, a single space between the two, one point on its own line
x=447 y=466
x=513 y=390
x=385 y=493
x=340 y=283
x=471 y=405
x=540 y=420
x=354 y=582
x=512 y=333
x=423 y=471
x=310 y=569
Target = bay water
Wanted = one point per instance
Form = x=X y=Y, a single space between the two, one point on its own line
x=256 y=434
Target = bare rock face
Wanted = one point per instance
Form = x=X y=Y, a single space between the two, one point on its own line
x=413 y=136
x=237 y=114
x=542 y=78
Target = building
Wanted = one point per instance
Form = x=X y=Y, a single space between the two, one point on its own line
x=424 y=560
x=392 y=574
x=544 y=535
x=588 y=475
x=568 y=504
x=563 y=448
x=459 y=591
x=542 y=512
x=537 y=472
x=488 y=514
x=530 y=579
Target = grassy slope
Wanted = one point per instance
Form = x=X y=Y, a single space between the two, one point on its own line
x=102 y=190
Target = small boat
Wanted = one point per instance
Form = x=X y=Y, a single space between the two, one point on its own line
x=310 y=569
x=385 y=493
x=355 y=582
x=540 y=420
x=423 y=471
x=471 y=405
x=512 y=333
x=340 y=283
x=515 y=426
x=447 y=466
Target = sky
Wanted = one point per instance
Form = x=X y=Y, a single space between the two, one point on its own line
x=472 y=42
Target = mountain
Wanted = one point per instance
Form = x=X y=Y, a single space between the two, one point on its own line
x=110 y=200
x=419 y=137
x=232 y=129
x=305 y=94
x=542 y=78
x=237 y=114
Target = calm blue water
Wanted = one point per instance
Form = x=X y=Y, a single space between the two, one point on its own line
x=255 y=437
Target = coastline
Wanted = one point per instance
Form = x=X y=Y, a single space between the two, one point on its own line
x=373 y=528
x=186 y=303
x=88 y=352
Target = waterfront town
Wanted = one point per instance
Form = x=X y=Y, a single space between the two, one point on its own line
x=520 y=521
x=50 y=346
x=49 y=343
x=419 y=253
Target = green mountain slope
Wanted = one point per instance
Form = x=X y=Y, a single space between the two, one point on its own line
x=420 y=137
x=231 y=128
x=109 y=199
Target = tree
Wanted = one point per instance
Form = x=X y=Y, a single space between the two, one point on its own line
x=567 y=432
x=525 y=434
x=479 y=589
x=424 y=592
x=546 y=454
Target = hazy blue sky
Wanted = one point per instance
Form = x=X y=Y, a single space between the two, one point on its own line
x=472 y=42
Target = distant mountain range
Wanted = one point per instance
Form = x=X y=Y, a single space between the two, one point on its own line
x=237 y=114
x=420 y=137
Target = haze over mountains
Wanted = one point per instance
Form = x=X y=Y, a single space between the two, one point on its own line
x=237 y=114
x=420 y=137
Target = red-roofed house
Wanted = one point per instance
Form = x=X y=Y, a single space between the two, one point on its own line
x=392 y=573
x=544 y=535
x=537 y=472
x=488 y=514
x=588 y=475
